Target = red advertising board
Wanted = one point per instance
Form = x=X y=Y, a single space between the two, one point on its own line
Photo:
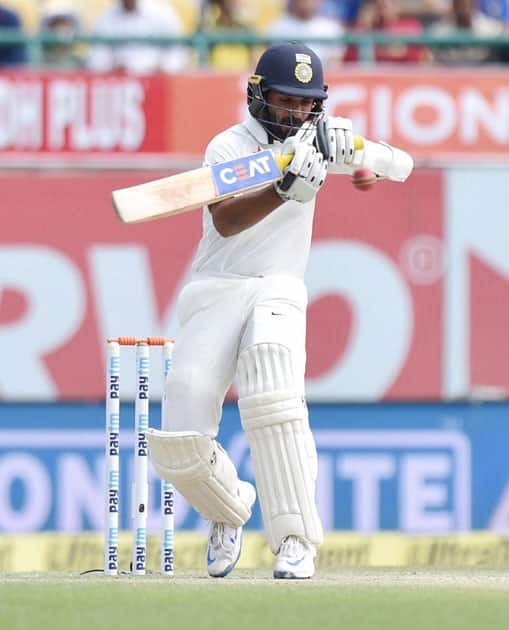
x=71 y=274
x=80 y=113
x=435 y=114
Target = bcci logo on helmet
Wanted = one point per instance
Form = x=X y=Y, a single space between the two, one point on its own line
x=245 y=172
x=303 y=72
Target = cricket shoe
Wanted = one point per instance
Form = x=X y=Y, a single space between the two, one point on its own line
x=295 y=559
x=223 y=549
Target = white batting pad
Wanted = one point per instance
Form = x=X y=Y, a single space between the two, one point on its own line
x=282 y=447
x=202 y=472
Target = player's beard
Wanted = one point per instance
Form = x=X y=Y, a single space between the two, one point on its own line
x=284 y=127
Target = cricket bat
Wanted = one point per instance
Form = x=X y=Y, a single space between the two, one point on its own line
x=192 y=189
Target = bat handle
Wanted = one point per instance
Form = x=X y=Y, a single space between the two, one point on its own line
x=283 y=160
x=358 y=143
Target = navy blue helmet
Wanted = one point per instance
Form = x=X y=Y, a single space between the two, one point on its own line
x=292 y=69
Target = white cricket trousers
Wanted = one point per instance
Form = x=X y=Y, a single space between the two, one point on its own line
x=219 y=317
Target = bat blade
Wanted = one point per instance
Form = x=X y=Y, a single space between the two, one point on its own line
x=193 y=189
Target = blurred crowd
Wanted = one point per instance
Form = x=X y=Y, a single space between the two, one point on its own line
x=287 y=19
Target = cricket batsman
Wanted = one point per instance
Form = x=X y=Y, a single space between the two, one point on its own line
x=243 y=318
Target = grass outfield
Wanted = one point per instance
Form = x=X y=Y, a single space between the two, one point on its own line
x=359 y=599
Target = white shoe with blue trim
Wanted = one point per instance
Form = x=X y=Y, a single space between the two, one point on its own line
x=295 y=559
x=223 y=549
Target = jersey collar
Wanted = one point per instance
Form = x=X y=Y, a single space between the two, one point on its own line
x=256 y=130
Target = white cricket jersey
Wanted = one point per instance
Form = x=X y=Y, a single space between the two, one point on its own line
x=278 y=244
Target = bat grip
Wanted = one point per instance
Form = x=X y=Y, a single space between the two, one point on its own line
x=283 y=160
x=358 y=143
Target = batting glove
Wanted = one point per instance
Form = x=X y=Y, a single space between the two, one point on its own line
x=305 y=174
x=340 y=143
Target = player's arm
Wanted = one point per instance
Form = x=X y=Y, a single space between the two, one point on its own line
x=301 y=180
x=236 y=214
